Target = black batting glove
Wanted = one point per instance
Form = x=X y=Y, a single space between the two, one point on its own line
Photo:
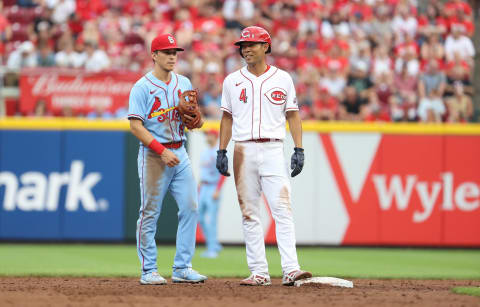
x=222 y=162
x=298 y=159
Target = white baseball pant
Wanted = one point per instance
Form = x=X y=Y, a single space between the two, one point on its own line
x=260 y=167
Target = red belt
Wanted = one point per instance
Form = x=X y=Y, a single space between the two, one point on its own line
x=264 y=140
x=174 y=145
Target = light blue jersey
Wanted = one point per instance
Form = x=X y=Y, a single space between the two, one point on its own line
x=149 y=95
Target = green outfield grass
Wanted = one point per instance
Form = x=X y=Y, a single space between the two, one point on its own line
x=475 y=291
x=121 y=260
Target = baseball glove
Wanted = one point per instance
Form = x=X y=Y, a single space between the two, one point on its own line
x=189 y=110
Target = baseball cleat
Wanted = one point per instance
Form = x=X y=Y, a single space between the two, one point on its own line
x=289 y=279
x=152 y=279
x=218 y=248
x=256 y=280
x=187 y=275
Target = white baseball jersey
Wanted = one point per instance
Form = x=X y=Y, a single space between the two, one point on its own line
x=258 y=104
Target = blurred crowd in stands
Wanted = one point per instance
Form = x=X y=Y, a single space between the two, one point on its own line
x=355 y=60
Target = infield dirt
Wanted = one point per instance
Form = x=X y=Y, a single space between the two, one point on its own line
x=36 y=291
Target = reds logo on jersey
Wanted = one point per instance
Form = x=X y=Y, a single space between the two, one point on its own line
x=276 y=95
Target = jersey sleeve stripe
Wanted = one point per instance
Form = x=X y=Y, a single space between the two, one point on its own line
x=135 y=116
x=226 y=110
x=291 y=109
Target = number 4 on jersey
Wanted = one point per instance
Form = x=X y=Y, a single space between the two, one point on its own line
x=243 y=95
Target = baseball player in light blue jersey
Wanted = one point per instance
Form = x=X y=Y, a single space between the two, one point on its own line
x=210 y=184
x=163 y=163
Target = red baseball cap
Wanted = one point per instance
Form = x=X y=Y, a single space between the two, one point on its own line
x=164 y=42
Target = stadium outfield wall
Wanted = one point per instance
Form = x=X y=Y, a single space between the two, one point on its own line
x=363 y=184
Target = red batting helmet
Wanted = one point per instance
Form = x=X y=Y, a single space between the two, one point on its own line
x=164 y=42
x=255 y=34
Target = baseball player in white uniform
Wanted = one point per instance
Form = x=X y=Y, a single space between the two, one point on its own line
x=256 y=102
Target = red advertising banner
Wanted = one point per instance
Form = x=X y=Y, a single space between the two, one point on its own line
x=419 y=190
x=80 y=90
x=461 y=194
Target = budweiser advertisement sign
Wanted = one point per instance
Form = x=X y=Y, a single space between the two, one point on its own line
x=80 y=90
x=374 y=189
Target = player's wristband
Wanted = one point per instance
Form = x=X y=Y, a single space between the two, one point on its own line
x=156 y=146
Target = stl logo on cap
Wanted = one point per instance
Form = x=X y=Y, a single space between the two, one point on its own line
x=171 y=39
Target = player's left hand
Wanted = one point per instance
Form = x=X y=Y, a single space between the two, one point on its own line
x=216 y=195
x=189 y=110
x=193 y=121
x=222 y=162
x=298 y=159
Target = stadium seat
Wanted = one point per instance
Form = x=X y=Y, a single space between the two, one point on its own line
x=21 y=15
x=8 y=3
x=133 y=39
x=11 y=106
x=19 y=33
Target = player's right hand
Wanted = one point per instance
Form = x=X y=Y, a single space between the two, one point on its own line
x=169 y=158
x=222 y=162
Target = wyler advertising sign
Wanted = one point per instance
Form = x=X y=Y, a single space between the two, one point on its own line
x=59 y=185
x=408 y=190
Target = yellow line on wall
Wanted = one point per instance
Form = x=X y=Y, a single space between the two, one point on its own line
x=384 y=128
x=24 y=123
x=393 y=128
